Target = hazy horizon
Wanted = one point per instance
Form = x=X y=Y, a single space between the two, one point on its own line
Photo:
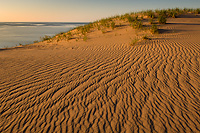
x=79 y=10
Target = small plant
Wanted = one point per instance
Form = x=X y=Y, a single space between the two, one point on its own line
x=64 y=35
x=142 y=18
x=146 y=38
x=150 y=14
x=154 y=29
x=137 y=24
x=162 y=19
x=197 y=11
x=35 y=41
x=85 y=38
x=103 y=31
x=46 y=38
x=113 y=25
x=133 y=42
x=136 y=17
x=172 y=14
x=20 y=44
x=69 y=35
x=130 y=19
x=151 y=20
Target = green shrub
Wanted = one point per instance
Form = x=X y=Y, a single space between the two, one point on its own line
x=103 y=31
x=130 y=19
x=35 y=41
x=136 y=17
x=162 y=19
x=85 y=38
x=151 y=20
x=137 y=24
x=142 y=18
x=154 y=29
x=146 y=38
x=113 y=25
x=150 y=14
x=172 y=14
x=69 y=35
x=197 y=11
x=46 y=38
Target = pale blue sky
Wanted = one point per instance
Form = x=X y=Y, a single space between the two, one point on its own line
x=80 y=10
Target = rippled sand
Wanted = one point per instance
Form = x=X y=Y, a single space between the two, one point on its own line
x=104 y=84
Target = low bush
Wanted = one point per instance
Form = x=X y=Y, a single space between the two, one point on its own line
x=46 y=38
x=154 y=29
x=151 y=20
x=146 y=38
x=162 y=19
x=130 y=19
x=137 y=24
x=85 y=38
x=113 y=25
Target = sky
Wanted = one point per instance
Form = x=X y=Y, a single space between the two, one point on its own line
x=80 y=10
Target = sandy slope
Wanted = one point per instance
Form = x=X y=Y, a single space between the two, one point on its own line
x=105 y=84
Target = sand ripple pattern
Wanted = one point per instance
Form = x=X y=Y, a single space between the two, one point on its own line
x=153 y=87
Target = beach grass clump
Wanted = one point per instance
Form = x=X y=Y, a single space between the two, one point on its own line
x=151 y=21
x=46 y=38
x=104 y=22
x=146 y=38
x=137 y=24
x=154 y=29
x=136 y=17
x=162 y=19
x=103 y=30
x=130 y=18
x=172 y=14
x=197 y=11
x=113 y=25
x=36 y=41
x=85 y=38
x=150 y=14
x=69 y=35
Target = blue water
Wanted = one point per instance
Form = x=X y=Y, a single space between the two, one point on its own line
x=15 y=33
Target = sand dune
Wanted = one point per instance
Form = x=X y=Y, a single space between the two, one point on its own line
x=104 y=84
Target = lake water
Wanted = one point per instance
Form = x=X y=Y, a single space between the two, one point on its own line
x=15 y=33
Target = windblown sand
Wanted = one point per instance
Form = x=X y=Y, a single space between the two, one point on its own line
x=104 y=84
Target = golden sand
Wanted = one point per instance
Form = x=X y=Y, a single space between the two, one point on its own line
x=104 y=84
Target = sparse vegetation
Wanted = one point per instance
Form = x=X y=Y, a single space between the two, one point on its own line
x=35 y=41
x=137 y=24
x=136 y=20
x=113 y=25
x=146 y=38
x=162 y=19
x=46 y=38
x=130 y=19
x=85 y=38
x=151 y=20
x=154 y=29
x=69 y=35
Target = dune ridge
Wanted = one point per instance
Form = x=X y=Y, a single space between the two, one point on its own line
x=104 y=84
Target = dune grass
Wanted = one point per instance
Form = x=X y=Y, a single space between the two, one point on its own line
x=135 y=20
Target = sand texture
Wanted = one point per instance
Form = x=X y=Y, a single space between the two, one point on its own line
x=104 y=84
